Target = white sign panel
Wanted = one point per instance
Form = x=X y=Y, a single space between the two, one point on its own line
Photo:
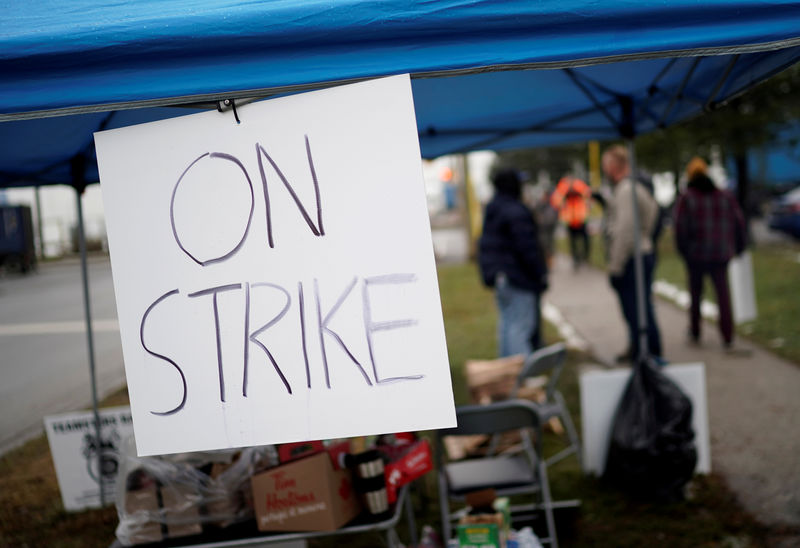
x=743 y=290
x=81 y=461
x=601 y=392
x=275 y=278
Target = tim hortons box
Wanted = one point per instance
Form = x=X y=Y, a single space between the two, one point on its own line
x=304 y=495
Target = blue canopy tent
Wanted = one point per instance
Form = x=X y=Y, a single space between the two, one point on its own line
x=486 y=74
x=489 y=110
x=609 y=69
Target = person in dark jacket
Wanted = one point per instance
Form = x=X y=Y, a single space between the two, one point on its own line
x=709 y=231
x=511 y=261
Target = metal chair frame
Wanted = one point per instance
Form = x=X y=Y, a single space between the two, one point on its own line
x=550 y=361
x=492 y=419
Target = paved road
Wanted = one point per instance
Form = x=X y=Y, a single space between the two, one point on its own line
x=753 y=401
x=44 y=364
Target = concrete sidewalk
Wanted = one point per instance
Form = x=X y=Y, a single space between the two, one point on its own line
x=754 y=401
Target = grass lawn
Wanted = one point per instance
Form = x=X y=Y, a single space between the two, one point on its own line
x=607 y=518
x=776 y=272
x=31 y=512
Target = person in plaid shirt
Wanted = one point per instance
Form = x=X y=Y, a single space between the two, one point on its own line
x=709 y=231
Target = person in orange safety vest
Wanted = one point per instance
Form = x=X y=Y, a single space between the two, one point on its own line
x=571 y=198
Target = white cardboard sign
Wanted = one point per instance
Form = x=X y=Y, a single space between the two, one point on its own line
x=743 y=289
x=275 y=279
x=73 y=445
x=601 y=392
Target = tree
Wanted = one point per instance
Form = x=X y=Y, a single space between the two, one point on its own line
x=753 y=119
x=750 y=120
x=556 y=160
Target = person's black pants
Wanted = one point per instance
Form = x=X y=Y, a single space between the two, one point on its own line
x=579 y=238
x=719 y=277
x=537 y=341
x=625 y=286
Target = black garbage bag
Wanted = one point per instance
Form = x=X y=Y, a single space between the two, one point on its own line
x=652 y=453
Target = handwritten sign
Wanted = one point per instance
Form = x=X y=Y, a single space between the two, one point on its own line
x=275 y=278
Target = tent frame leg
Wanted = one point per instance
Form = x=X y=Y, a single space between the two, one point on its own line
x=90 y=341
x=638 y=258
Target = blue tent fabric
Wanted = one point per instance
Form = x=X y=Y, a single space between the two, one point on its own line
x=486 y=73
x=39 y=151
x=56 y=54
x=545 y=107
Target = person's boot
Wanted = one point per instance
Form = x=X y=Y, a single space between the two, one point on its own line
x=735 y=351
x=625 y=357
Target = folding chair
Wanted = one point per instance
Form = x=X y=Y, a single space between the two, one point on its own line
x=518 y=474
x=550 y=361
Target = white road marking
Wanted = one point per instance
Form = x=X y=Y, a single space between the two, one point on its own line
x=682 y=298
x=56 y=328
x=565 y=329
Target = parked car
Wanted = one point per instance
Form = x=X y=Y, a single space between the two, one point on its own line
x=785 y=213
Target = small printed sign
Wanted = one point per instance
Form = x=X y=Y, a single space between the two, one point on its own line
x=81 y=460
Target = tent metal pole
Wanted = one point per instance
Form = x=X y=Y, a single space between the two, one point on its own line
x=39 y=231
x=473 y=231
x=543 y=127
x=722 y=79
x=653 y=89
x=679 y=92
x=638 y=257
x=599 y=106
x=90 y=340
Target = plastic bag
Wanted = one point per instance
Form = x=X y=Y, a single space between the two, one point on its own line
x=524 y=538
x=173 y=496
x=652 y=454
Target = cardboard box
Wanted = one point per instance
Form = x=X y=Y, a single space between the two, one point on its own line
x=181 y=510
x=143 y=505
x=479 y=535
x=492 y=380
x=416 y=462
x=289 y=452
x=481 y=529
x=305 y=495
x=338 y=451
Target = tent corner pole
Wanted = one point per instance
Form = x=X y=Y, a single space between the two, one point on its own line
x=89 y=337
x=638 y=257
x=39 y=229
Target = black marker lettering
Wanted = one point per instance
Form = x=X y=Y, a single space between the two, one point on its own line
x=246 y=357
x=238 y=246
x=214 y=291
x=270 y=240
x=175 y=365
x=323 y=328
x=301 y=306
x=256 y=333
x=318 y=229
x=316 y=186
x=370 y=327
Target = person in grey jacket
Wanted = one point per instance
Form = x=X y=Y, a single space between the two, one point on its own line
x=621 y=269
